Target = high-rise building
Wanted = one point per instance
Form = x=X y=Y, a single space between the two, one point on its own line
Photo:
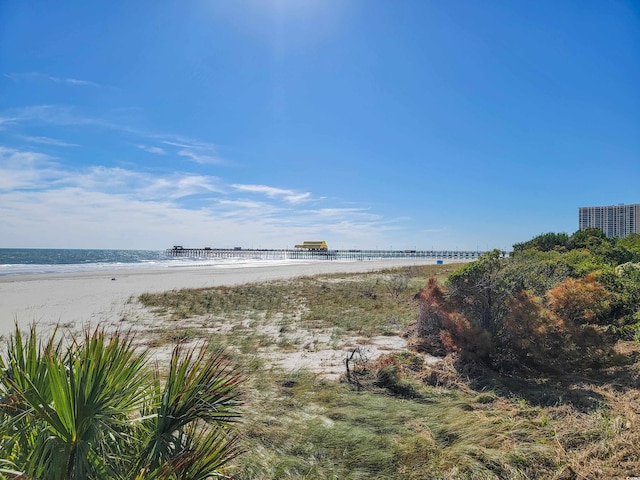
x=614 y=220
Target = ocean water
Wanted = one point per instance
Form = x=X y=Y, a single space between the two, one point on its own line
x=23 y=261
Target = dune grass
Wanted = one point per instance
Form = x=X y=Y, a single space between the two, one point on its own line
x=300 y=426
x=369 y=304
x=316 y=429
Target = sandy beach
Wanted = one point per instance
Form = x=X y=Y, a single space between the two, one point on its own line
x=98 y=298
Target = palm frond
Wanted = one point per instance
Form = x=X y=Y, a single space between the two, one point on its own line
x=200 y=388
x=89 y=407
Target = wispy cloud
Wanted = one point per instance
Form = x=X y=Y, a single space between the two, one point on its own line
x=151 y=149
x=68 y=115
x=14 y=116
x=39 y=172
x=6 y=121
x=341 y=212
x=200 y=158
x=26 y=169
x=183 y=142
x=62 y=115
x=247 y=211
x=200 y=152
x=143 y=186
x=203 y=153
x=16 y=76
x=290 y=196
x=49 y=141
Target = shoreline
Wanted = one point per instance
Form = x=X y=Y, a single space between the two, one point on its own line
x=102 y=297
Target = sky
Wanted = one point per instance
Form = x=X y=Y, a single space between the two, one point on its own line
x=414 y=124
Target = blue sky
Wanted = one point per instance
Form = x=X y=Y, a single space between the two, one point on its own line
x=262 y=123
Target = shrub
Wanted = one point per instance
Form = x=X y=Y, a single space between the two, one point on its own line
x=487 y=316
x=532 y=337
x=431 y=317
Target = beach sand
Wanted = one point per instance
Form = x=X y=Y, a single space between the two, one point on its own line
x=102 y=298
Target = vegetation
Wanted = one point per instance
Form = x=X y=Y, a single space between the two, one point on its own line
x=91 y=408
x=559 y=303
x=410 y=415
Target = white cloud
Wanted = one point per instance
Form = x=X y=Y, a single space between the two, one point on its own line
x=37 y=171
x=76 y=218
x=35 y=76
x=342 y=212
x=183 y=142
x=242 y=205
x=25 y=169
x=73 y=81
x=151 y=149
x=50 y=114
x=81 y=217
x=200 y=158
x=203 y=153
x=4 y=121
x=49 y=141
x=290 y=196
x=63 y=116
x=247 y=211
x=113 y=207
x=143 y=186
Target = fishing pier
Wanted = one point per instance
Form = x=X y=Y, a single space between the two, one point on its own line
x=302 y=254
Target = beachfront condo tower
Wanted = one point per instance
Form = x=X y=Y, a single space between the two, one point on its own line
x=614 y=220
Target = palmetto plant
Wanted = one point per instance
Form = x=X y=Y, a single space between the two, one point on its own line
x=93 y=408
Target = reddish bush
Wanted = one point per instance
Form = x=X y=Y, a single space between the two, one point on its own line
x=581 y=300
x=551 y=336
x=531 y=336
x=460 y=335
x=444 y=330
x=433 y=312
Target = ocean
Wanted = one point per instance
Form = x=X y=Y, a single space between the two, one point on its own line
x=22 y=261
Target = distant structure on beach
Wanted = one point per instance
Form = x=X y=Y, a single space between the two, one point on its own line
x=314 y=245
x=318 y=250
x=614 y=220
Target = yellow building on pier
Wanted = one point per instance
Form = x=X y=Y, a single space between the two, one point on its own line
x=313 y=245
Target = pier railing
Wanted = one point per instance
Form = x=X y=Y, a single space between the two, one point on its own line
x=298 y=254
